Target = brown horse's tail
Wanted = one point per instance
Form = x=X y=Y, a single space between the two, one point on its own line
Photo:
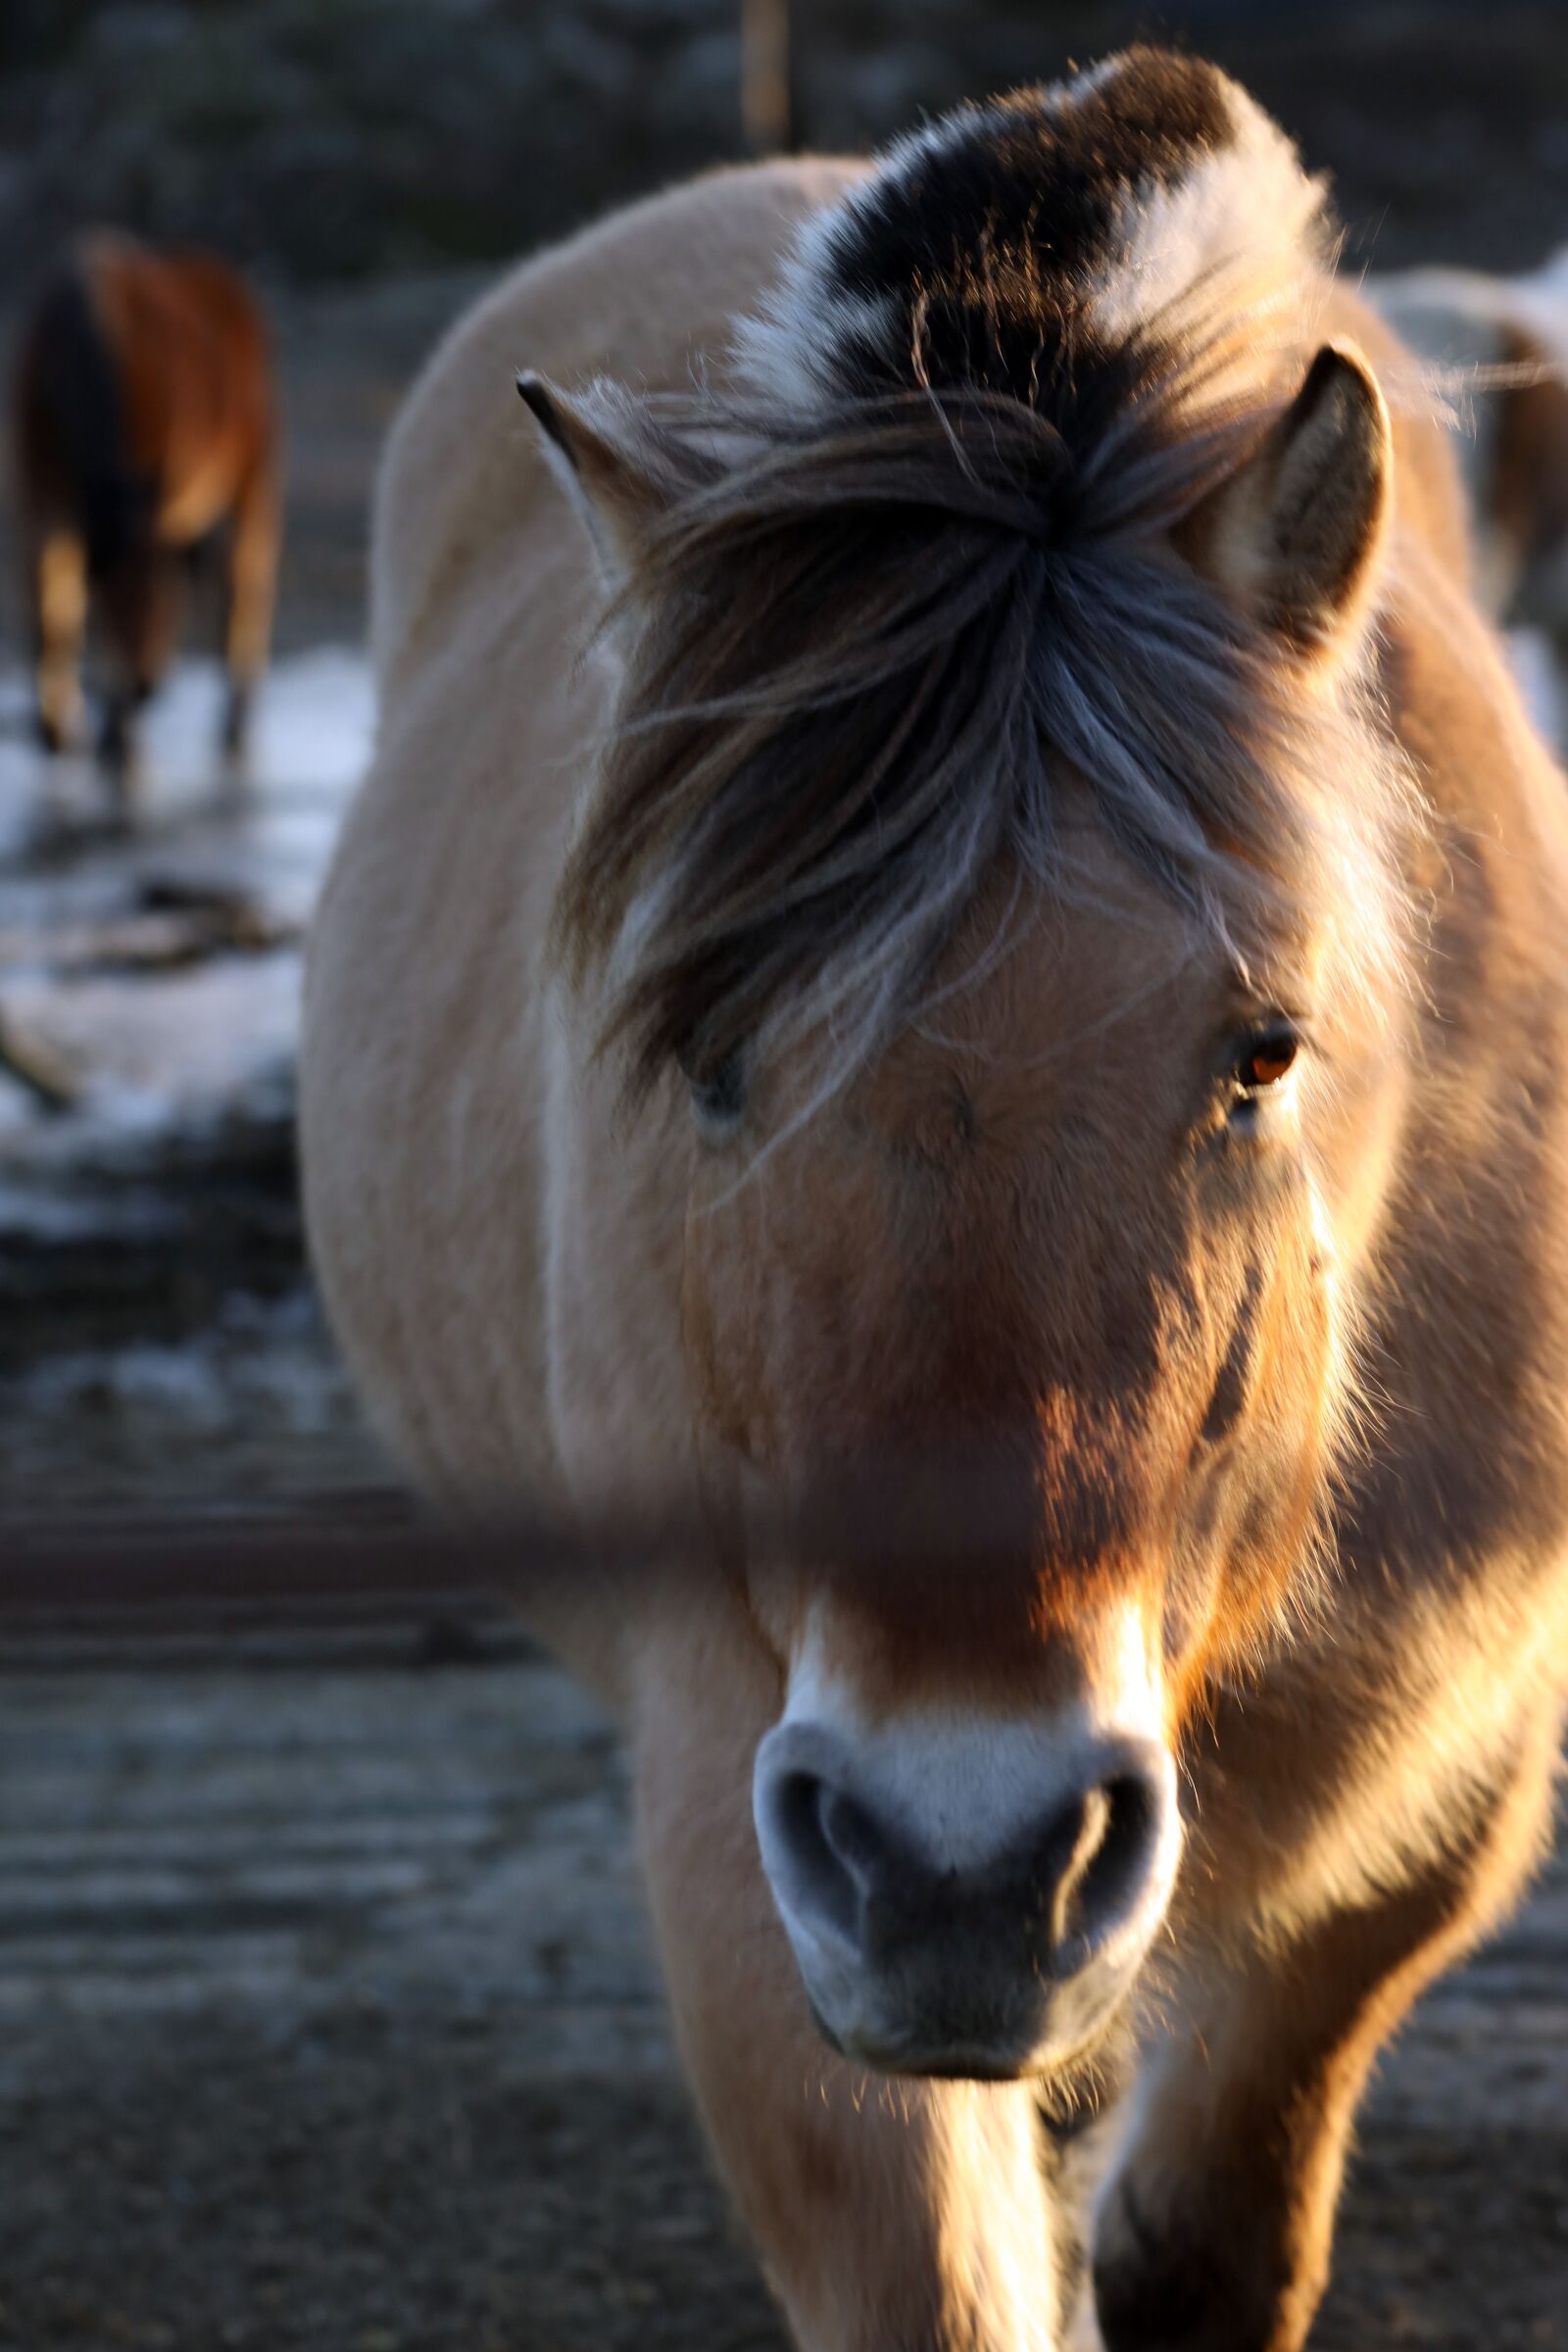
x=72 y=426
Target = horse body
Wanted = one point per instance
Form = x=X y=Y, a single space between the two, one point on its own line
x=1513 y=334
x=143 y=419
x=1198 y=1169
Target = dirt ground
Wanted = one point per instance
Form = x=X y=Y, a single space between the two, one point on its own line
x=328 y=2022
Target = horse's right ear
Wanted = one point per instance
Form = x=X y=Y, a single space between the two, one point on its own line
x=590 y=448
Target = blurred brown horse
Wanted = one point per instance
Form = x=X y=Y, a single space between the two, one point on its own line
x=144 y=422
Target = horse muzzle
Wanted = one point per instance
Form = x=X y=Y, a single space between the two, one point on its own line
x=978 y=1905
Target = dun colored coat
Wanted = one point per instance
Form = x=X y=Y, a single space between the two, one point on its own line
x=1031 y=944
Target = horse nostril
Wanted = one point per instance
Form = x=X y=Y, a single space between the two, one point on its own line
x=1111 y=1837
x=836 y=1853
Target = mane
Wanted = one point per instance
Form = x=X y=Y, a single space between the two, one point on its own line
x=914 y=564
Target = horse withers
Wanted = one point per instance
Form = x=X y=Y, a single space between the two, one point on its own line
x=1030 y=935
x=144 y=420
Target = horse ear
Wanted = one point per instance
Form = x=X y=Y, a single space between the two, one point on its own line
x=1295 y=532
x=591 y=450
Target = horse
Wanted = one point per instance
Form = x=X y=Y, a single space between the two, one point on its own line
x=954 y=882
x=1508 y=337
x=144 y=420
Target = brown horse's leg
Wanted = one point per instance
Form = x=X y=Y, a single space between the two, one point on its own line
x=56 y=587
x=1215 y=2234
x=141 y=601
x=252 y=582
x=903 y=2214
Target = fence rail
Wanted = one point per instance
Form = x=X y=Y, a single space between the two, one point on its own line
x=51 y=1567
x=336 y=1568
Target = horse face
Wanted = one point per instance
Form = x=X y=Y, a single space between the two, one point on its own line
x=1060 y=1270
x=1072 y=1239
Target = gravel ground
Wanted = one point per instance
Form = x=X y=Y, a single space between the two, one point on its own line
x=328 y=2022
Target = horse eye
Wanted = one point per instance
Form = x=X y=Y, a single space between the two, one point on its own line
x=718 y=1102
x=1265 y=1057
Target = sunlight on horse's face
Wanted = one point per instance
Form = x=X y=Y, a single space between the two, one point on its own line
x=1073 y=1237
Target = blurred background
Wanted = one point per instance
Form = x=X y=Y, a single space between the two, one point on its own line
x=368 y=160
x=326 y=2017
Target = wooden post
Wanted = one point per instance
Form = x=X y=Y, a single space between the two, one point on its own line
x=767 y=88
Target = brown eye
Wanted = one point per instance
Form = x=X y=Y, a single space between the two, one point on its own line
x=1267 y=1057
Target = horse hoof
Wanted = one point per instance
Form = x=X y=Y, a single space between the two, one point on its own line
x=116 y=746
x=235 y=737
x=54 y=733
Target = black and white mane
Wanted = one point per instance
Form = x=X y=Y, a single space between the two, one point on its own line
x=1016 y=242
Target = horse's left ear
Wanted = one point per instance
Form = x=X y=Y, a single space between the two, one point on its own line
x=589 y=441
x=1295 y=532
